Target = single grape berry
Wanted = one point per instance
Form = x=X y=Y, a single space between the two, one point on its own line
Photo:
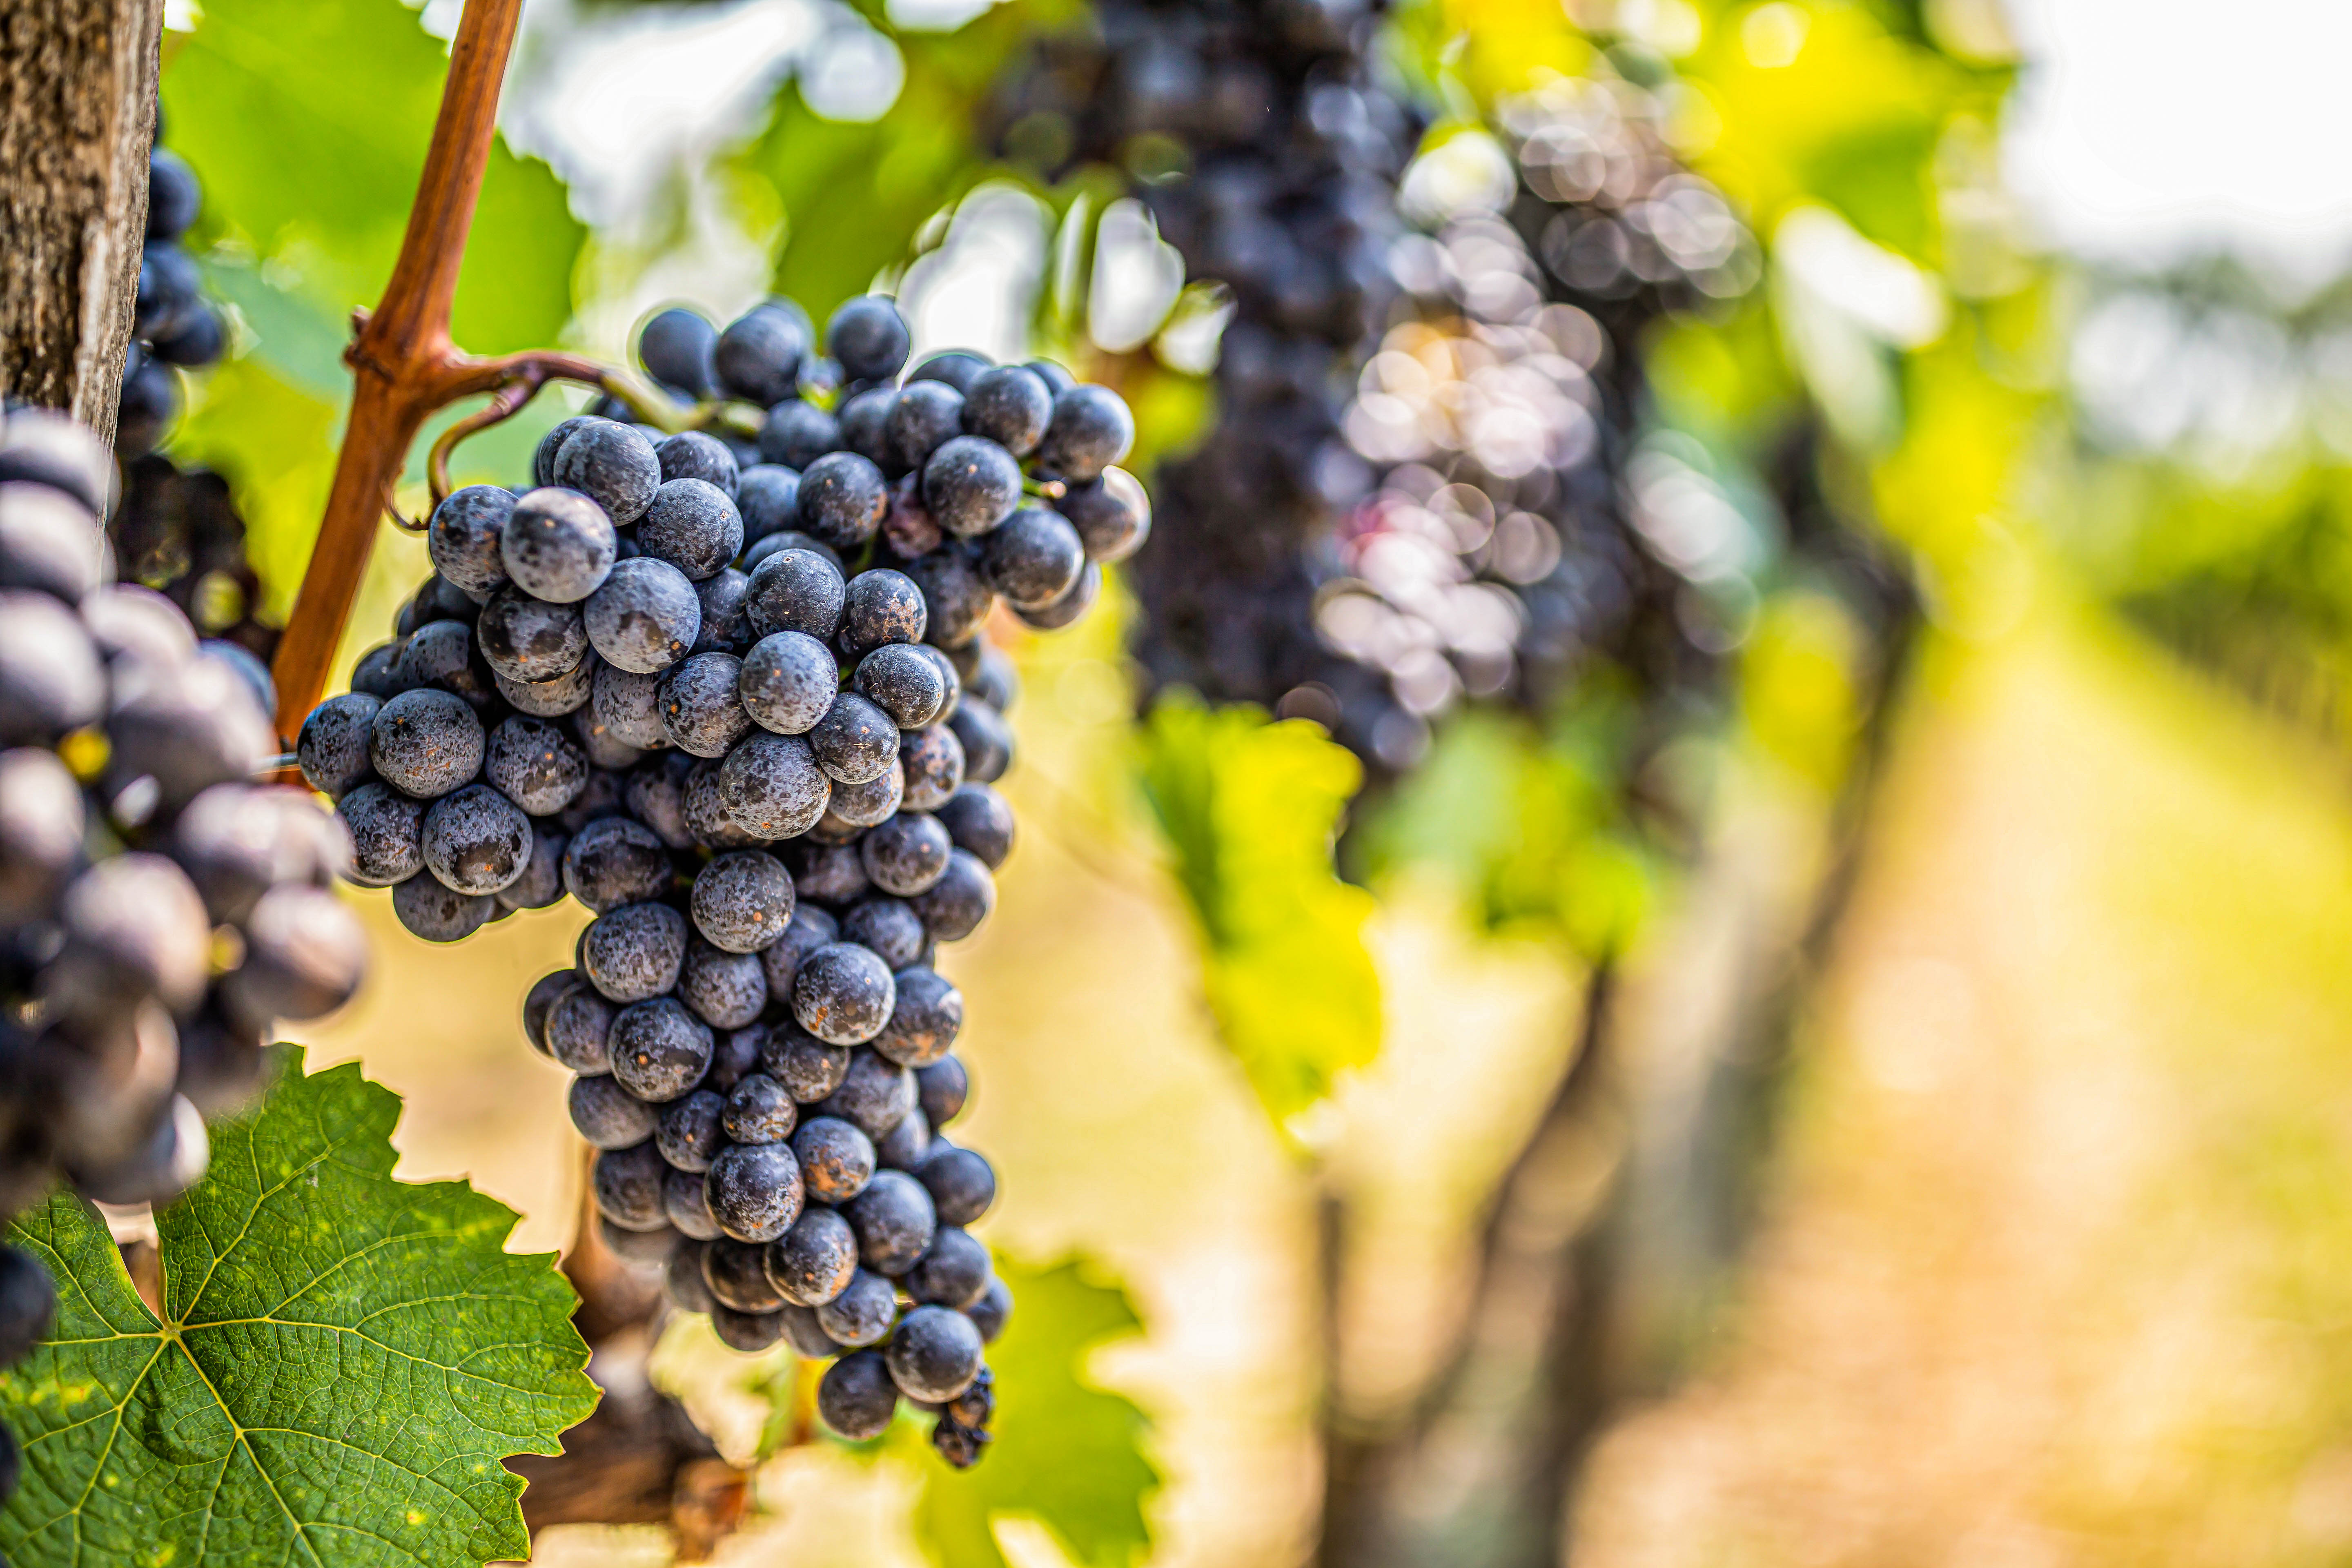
x=815 y=1261
x=863 y=419
x=987 y=740
x=961 y=1183
x=903 y=683
x=842 y=993
x=809 y=1067
x=426 y=743
x=956 y=597
x=635 y=953
x=687 y=1202
x=696 y=455
x=923 y=414
x=931 y=758
x=953 y=1273
x=878 y=607
x=942 y=1088
x=554 y=697
x=888 y=926
x=924 y=1024
x=758 y=357
x=861 y=1314
x=797 y=433
x=387 y=831
x=1071 y=607
x=760 y=1112
x=689 y=1131
x=541 y=882
x=830 y=873
x=746 y=1332
x=628 y=705
x=613 y=465
x=535 y=765
x=979 y=822
x=477 y=840
x=693 y=525
x=442 y=654
x=1010 y=404
x=558 y=544
x=464 y=538
x=737 y=1273
x=869 y=336
x=725 y=990
x=768 y=496
x=856 y=741
x=645 y=617
x=836 y=1159
x=614 y=861
x=1034 y=559
x=701 y=709
x=956 y=367
x=962 y=899
x=705 y=807
x=773 y=785
x=856 y=1399
x=857 y=806
x=580 y=1029
x=726 y=612
x=971 y=485
x=1112 y=515
x=907 y=1145
x=842 y=498
x=755 y=1191
x=675 y=346
x=609 y=1115
x=894 y=1220
x=1090 y=430
x=540 y=999
x=989 y=1313
x=659 y=1049
x=742 y=902
x=908 y=853
x=935 y=1354
x=796 y=591
x=789 y=681
x=628 y=1187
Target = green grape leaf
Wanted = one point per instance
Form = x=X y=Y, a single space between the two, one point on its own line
x=1066 y=1453
x=343 y=1362
x=1251 y=809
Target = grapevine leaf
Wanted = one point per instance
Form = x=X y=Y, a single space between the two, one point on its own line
x=1066 y=1453
x=1250 y=808
x=343 y=1361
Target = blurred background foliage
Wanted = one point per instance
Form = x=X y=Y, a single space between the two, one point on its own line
x=2082 y=468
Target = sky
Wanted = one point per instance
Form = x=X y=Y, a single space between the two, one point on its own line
x=2147 y=130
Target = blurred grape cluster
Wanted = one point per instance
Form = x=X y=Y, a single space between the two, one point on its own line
x=1505 y=541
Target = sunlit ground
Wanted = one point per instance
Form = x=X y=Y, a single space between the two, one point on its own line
x=2053 y=1267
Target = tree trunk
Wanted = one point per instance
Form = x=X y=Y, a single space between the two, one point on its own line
x=77 y=119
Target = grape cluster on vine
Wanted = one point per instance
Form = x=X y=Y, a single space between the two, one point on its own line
x=730 y=688
x=1268 y=154
x=1500 y=551
x=158 y=913
x=177 y=530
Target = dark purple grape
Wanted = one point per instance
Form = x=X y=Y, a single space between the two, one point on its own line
x=931 y=759
x=842 y=498
x=773 y=785
x=689 y=1131
x=628 y=1187
x=905 y=1146
x=614 y=466
x=961 y=1183
x=758 y=1111
x=645 y=617
x=1090 y=430
x=903 y=683
x=971 y=485
x=1010 y=404
x=989 y=1313
x=789 y=682
x=923 y=414
x=609 y=1115
x=747 y=1333
x=580 y=1029
x=692 y=525
x=815 y=1261
x=924 y=1023
x=536 y=764
x=894 y=1220
x=963 y=898
x=1067 y=610
x=464 y=538
x=737 y=1273
x=629 y=705
x=702 y=710
x=695 y=454
x=855 y=1398
x=539 y=1000
x=541 y=882
x=725 y=990
x=980 y=823
x=1034 y=559
x=758 y=357
x=426 y=743
x=935 y=1354
x=676 y=347
x=860 y=1315
x=768 y=497
x=874 y=1095
x=755 y=1191
x=687 y=1202
x=1112 y=515
x=634 y=952
x=797 y=433
x=889 y=927
x=862 y=421
x=795 y=591
x=725 y=597
x=614 y=861
x=842 y=993
x=941 y=1088
x=476 y=840
x=986 y=739
x=810 y=1068
x=659 y=1049
x=742 y=902
x=559 y=545
x=954 y=1273
x=830 y=873
x=806 y=1334
x=869 y=338
x=554 y=697
x=906 y=854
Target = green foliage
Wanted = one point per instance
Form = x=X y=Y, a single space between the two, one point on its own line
x=1527 y=825
x=855 y=195
x=343 y=1361
x=1066 y=1453
x=1251 y=808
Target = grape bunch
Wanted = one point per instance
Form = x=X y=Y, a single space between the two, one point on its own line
x=174 y=325
x=158 y=912
x=748 y=715
x=1498 y=550
x=176 y=530
x=1269 y=156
